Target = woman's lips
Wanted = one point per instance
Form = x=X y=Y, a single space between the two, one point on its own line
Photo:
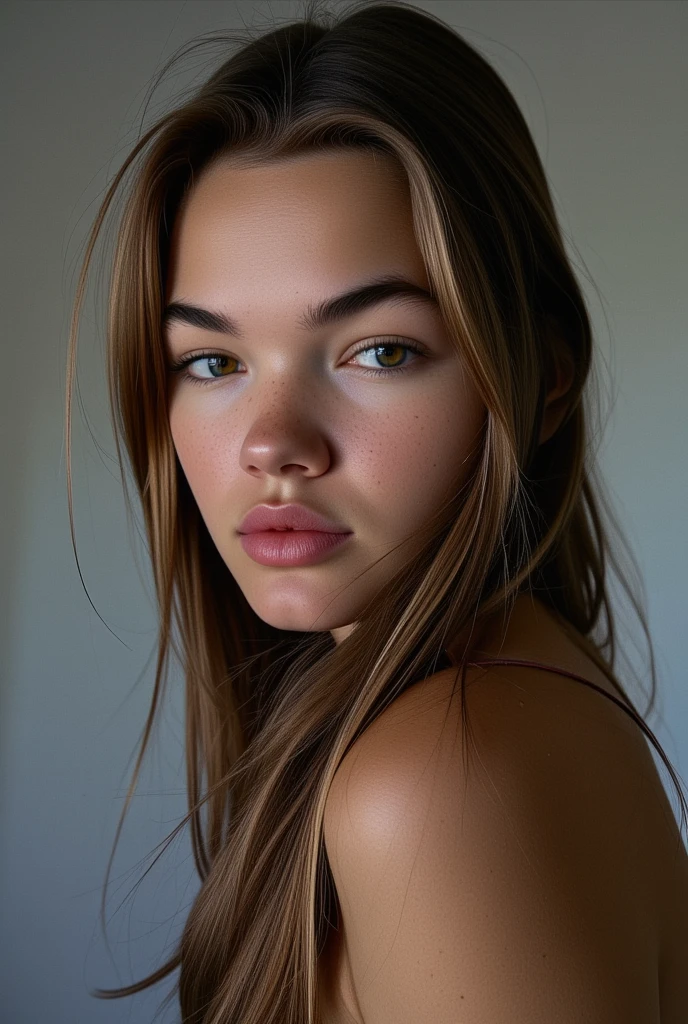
x=290 y=547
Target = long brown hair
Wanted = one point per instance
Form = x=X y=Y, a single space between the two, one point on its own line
x=269 y=713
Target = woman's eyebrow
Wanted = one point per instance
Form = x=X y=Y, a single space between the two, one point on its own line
x=316 y=316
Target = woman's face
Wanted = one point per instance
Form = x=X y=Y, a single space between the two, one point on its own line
x=285 y=410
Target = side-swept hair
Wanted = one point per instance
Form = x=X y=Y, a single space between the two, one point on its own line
x=269 y=713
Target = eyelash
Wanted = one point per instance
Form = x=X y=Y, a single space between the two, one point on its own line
x=181 y=364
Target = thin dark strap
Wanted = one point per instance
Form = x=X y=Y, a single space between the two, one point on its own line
x=532 y=664
x=624 y=703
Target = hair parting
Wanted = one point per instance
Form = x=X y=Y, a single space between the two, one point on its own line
x=270 y=714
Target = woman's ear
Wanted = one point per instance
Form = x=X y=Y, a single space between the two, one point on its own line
x=557 y=399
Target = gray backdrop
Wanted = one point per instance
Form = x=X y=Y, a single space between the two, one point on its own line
x=603 y=85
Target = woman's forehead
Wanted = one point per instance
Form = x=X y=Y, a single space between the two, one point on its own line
x=293 y=228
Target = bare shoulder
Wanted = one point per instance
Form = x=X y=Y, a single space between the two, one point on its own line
x=502 y=874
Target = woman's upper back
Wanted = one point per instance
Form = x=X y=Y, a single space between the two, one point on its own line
x=562 y=788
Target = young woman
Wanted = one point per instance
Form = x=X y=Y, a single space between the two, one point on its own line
x=348 y=359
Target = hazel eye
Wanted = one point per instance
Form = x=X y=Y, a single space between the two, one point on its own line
x=215 y=361
x=388 y=353
x=385 y=352
x=219 y=363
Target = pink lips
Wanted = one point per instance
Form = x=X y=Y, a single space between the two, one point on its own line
x=283 y=535
x=287 y=517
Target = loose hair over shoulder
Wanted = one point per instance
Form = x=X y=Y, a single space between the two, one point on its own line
x=270 y=714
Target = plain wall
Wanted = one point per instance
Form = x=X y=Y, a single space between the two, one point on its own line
x=603 y=86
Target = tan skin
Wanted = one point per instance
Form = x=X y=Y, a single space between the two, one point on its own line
x=296 y=419
x=358 y=978
x=292 y=416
